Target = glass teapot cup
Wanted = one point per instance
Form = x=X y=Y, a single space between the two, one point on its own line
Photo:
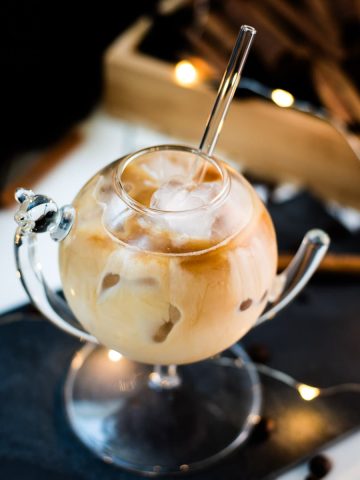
x=169 y=272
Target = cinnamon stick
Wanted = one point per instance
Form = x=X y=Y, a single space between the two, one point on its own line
x=303 y=23
x=223 y=33
x=333 y=262
x=336 y=90
x=257 y=14
x=206 y=49
x=220 y=30
x=324 y=18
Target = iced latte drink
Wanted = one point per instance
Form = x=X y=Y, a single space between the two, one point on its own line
x=163 y=269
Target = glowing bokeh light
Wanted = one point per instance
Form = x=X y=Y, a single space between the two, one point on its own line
x=185 y=73
x=282 y=98
x=114 y=356
x=307 y=392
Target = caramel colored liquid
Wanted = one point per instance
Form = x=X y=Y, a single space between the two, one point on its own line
x=148 y=289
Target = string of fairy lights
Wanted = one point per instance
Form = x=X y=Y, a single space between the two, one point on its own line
x=306 y=392
x=186 y=74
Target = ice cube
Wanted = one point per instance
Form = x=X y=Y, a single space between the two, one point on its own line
x=162 y=167
x=177 y=195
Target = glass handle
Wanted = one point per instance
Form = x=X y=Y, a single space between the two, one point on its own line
x=294 y=278
x=38 y=214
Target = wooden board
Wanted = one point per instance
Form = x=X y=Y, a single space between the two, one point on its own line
x=274 y=143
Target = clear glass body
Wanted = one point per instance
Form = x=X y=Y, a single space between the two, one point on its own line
x=162 y=275
x=169 y=258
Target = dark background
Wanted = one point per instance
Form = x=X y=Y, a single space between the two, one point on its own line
x=51 y=61
x=51 y=54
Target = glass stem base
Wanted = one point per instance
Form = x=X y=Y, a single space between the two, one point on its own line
x=151 y=423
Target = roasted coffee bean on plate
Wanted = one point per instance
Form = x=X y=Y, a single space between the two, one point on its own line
x=320 y=465
x=259 y=353
x=263 y=429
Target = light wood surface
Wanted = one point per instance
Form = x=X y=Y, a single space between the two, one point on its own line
x=274 y=143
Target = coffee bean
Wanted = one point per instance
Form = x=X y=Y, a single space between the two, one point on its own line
x=110 y=280
x=263 y=429
x=259 y=353
x=245 y=304
x=320 y=465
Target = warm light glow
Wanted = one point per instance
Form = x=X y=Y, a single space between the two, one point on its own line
x=304 y=425
x=185 y=73
x=307 y=392
x=282 y=98
x=77 y=361
x=155 y=377
x=184 y=467
x=114 y=356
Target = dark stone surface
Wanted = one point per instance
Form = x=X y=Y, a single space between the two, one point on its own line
x=317 y=342
x=52 y=57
